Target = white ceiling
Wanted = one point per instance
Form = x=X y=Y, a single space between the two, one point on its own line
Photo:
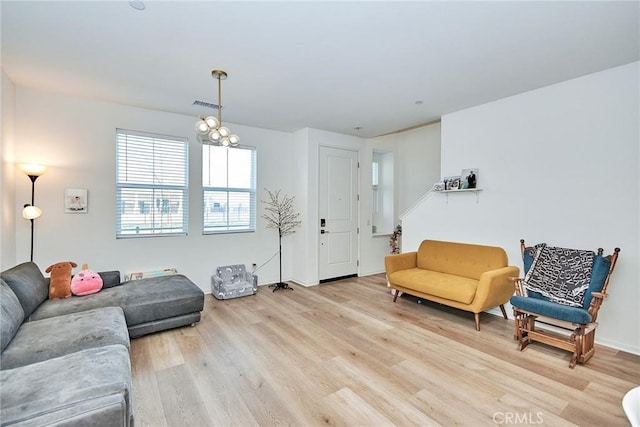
x=327 y=65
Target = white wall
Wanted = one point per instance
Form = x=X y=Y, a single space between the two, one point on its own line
x=75 y=137
x=557 y=165
x=7 y=174
x=305 y=262
x=416 y=155
x=418 y=164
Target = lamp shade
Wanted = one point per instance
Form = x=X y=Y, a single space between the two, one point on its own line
x=31 y=212
x=202 y=127
x=224 y=131
x=32 y=169
x=212 y=122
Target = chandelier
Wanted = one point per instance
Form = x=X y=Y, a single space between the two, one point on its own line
x=210 y=128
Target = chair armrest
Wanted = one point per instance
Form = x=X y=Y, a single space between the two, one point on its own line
x=397 y=262
x=494 y=288
x=518 y=283
x=597 y=298
x=598 y=295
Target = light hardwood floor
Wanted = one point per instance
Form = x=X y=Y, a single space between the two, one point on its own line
x=343 y=354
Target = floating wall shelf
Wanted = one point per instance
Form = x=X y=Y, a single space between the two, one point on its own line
x=464 y=190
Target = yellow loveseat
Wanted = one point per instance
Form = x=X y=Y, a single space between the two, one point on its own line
x=465 y=276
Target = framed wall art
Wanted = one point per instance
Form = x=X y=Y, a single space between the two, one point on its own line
x=75 y=200
x=469 y=178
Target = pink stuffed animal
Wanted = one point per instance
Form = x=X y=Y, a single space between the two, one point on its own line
x=86 y=282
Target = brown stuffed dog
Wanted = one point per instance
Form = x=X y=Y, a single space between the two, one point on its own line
x=60 y=282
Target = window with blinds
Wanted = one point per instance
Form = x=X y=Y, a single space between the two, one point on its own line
x=151 y=184
x=228 y=189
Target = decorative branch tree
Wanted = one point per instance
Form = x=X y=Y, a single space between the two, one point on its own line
x=281 y=215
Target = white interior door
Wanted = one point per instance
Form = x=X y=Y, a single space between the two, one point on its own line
x=338 y=205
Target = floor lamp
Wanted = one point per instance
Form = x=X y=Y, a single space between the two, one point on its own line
x=31 y=211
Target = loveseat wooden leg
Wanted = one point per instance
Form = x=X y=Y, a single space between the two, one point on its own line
x=504 y=312
x=395 y=295
x=477 y=317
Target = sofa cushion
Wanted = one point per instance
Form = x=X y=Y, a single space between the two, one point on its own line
x=45 y=339
x=110 y=278
x=29 y=285
x=460 y=259
x=11 y=314
x=142 y=301
x=447 y=286
x=88 y=387
x=551 y=309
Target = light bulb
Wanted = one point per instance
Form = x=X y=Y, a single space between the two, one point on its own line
x=212 y=122
x=202 y=127
x=224 y=131
x=225 y=142
x=31 y=212
x=214 y=135
x=234 y=139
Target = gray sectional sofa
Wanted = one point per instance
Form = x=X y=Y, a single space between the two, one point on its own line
x=66 y=362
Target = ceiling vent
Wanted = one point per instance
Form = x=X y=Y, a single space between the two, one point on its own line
x=205 y=104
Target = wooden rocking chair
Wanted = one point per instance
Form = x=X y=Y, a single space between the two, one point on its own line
x=574 y=321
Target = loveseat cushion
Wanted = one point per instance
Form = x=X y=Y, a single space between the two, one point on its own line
x=447 y=286
x=29 y=285
x=45 y=339
x=461 y=259
x=87 y=388
x=142 y=301
x=551 y=309
x=11 y=314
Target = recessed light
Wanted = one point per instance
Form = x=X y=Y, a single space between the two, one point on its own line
x=137 y=4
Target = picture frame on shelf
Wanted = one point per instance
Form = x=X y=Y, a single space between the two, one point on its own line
x=75 y=200
x=451 y=183
x=468 y=179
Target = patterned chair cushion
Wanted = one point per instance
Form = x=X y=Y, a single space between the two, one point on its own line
x=232 y=273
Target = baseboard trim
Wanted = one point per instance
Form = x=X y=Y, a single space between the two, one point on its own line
x=333 y=279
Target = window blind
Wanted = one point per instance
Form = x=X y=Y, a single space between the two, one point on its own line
x=228 y=189
x=151 y=184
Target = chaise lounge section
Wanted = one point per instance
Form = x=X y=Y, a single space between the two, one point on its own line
x=66 y=361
